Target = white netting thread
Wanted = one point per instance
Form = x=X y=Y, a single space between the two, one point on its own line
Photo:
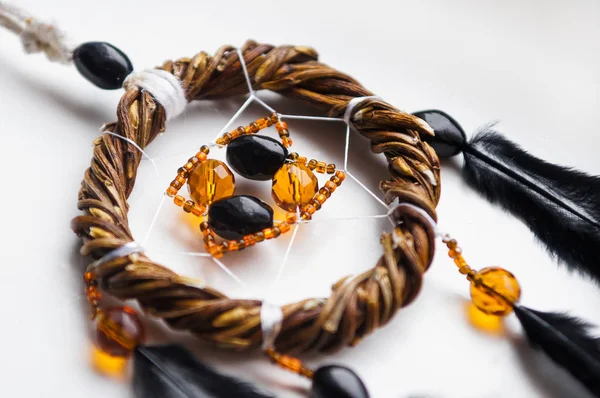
x=270 y=328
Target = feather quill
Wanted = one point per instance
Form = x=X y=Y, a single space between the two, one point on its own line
x=566 y=341
x=560 y=205
x=171 y=371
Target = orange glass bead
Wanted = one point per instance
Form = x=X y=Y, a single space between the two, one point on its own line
x=118 y=331
x=321 y=198
x=293 y=156
x=460 y=261
x=452 y=244
x=89 y=277
x=312 y=164
x=331 y=186
x=325 y=192
x=172 y=191
x=310 y=209
x=249 y=240
x=321 y=167
x=269 y=234
x=284 y=133
x=283 y=227
x=287 y=142
x=314 y=202
x=198 y=210
x=201 y=156
x=182 y=172
x=215 y=250
x=274 y=118
x=259 y=236
x=210 y=181
x=301 y=160
x=254 y=127
x=330 y=168
x=109 y=365
x=176 y=184
x=305 y=216
x=224 y=139
x=205 y=149
x=291 y=218
x=281 y=126
x=187 y=206
x=179 y=200
x=494 y=290
x=180 y=179
x=294 y=185
x=189 y=166
x=262 y=123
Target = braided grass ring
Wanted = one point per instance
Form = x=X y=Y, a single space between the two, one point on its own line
x=356 y=306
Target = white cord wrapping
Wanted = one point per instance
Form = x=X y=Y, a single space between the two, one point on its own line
x=354 y=102
x=35 y=35
x=121 y=251
x=163 y=86
x=271 y=317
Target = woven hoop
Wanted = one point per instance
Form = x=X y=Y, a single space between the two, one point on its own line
x=356 y=306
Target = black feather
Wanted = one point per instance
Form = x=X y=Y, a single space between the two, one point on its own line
x=566 y=341
x=171 y=371
x=560 y=205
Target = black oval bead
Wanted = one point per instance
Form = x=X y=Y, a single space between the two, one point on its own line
x=449 y=137
x=102 y=64
x=240 y=215
x=256 y=157
x=337 y=382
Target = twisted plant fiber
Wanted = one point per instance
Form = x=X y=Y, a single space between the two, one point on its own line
x=357 y=305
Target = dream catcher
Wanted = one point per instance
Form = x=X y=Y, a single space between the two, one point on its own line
x=559 y=205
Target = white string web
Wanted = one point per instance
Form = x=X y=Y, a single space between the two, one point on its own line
x=252 y=98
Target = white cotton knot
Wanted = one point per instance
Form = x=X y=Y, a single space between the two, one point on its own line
x=271 y=317
x=127 y=249
x=163 y=86
x=46 y=38
x=354 y=102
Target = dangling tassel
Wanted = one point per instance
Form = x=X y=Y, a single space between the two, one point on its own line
x=171 y=371
x=560 y=205
x=566 y=341
x=496 y=291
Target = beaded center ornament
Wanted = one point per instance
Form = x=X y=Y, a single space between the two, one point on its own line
x=242 y=220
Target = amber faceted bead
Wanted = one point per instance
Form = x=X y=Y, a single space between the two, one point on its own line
x=494 y=290
x=294 y=185
x=118 y=331
x=210 y=181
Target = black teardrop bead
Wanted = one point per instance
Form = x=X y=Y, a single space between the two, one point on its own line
x=256 y=157
x=240 y=215
x=337 y=382
x=449 y=136
x=102 y=64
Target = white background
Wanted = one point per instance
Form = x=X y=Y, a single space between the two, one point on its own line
x=532 y=65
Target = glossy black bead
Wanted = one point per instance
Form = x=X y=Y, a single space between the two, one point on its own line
x=102 y=64
x=337 y=382
x=256 y=157
x=240 y=215
x=449 y=137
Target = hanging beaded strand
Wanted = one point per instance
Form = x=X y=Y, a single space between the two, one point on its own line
x=494 y=290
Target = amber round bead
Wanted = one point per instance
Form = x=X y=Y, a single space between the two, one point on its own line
x=118 y=331
x=494 y=290
x=210 y=181
x=294 y=185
